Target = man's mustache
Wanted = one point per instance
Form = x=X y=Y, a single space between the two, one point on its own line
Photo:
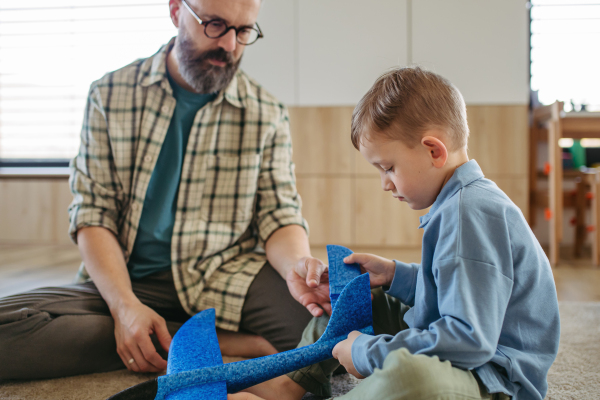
x=217 y=54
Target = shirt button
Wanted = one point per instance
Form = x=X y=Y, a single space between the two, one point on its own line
x=148 y=158
x=134 y=206
x=165 y=109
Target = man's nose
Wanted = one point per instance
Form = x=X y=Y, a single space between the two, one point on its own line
x=228 y=42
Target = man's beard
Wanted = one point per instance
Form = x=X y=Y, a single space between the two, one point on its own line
x=198 y=72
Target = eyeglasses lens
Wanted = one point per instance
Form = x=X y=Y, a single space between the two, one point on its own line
x=215 y=29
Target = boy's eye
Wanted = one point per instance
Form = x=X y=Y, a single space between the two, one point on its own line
x=388 y=170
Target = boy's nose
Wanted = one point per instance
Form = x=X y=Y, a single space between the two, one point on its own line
x=386 y=184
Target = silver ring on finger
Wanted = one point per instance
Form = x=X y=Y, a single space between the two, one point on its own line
x=131 y=361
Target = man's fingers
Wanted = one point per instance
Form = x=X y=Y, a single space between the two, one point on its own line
x=125 y=357
x=162 y=334
x=150 y=355
x=314 y=309
x=314 y=269
x=136 y=356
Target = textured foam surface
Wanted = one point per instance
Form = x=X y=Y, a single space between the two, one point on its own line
x=196 y=369
x=196 y=346
x=340 y=274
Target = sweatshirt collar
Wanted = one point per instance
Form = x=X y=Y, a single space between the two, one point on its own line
x=463 y=176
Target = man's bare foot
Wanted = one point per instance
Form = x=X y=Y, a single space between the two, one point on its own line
x=243 y=396
x=236 y=344
x=280 y=388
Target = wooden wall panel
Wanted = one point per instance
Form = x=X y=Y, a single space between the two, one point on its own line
x=499 y=138
x=321 y=140
x=341 y=192
x=381 y=220
x=34 y=211
x=498 y=142
x=515 y=188
x=327 y=206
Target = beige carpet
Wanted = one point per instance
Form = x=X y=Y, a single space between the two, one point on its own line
x=574 y=376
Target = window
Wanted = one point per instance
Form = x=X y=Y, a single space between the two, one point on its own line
x=50 y=52
x=565 y=60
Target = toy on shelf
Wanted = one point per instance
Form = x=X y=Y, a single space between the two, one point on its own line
x=195 y=367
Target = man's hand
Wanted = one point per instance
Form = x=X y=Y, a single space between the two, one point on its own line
x=343 y=353
x=133 y=327
x=308 y=283
x=381 y=270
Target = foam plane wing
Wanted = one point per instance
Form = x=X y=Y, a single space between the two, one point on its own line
x=195 y=366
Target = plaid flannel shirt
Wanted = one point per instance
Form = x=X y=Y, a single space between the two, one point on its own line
x=237 y=184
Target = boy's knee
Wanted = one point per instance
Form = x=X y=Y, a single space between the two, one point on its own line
x=408 y=376
x=414 y=369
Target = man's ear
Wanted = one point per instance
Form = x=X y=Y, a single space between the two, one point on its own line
x=174 y=9
x=438 y=153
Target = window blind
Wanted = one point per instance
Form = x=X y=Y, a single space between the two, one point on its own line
x=565 y=55
x=50 y=52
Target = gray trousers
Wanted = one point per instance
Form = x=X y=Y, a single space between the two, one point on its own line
x=62 y=331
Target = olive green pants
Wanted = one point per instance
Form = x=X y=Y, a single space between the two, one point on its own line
x=403 y=376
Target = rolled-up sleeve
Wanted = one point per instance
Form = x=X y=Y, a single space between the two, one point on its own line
x=278 y=202
x=93 y=179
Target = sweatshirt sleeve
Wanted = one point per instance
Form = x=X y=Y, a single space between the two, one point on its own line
x=472 y=301
x=404 y=283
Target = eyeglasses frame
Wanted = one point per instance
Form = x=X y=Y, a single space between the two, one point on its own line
x=227 y=27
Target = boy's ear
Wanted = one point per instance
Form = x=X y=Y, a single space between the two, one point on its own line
x=438 y=153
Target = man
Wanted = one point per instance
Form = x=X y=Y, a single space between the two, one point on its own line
x=183 y=175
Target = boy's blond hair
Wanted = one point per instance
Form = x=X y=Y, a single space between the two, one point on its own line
x=411 y=100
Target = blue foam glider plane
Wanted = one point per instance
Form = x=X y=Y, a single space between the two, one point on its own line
x=195 y=367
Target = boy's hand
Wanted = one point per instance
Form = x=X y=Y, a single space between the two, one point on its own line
x=343 y=353
x=381 y=270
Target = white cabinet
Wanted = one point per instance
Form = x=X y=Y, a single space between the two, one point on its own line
x=481 y=46
x=272 y=61
x=344 y=45
x=329 y=52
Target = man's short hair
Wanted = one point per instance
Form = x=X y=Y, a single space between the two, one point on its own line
x=405 y=102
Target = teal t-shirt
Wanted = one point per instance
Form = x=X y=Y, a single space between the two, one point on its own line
x=152 y=248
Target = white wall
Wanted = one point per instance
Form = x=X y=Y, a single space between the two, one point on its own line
x=329 y=52
x=481 y=46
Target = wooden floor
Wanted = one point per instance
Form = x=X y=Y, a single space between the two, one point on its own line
x=25 y=267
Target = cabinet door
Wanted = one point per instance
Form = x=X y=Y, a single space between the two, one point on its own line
x=481 y=46
x=272 y=59
x=344 y=45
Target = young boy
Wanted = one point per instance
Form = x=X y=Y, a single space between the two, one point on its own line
x=478 y=318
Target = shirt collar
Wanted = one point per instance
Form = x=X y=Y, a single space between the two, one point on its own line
x=234 y=93
x=463 y=176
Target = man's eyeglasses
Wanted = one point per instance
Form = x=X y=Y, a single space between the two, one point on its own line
x=216 y=28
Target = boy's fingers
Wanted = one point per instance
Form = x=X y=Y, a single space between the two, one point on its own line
x=335 y=351
x=358 y=258
x=350 y=259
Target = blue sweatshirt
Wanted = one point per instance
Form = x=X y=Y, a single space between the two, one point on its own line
x=483 y=297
